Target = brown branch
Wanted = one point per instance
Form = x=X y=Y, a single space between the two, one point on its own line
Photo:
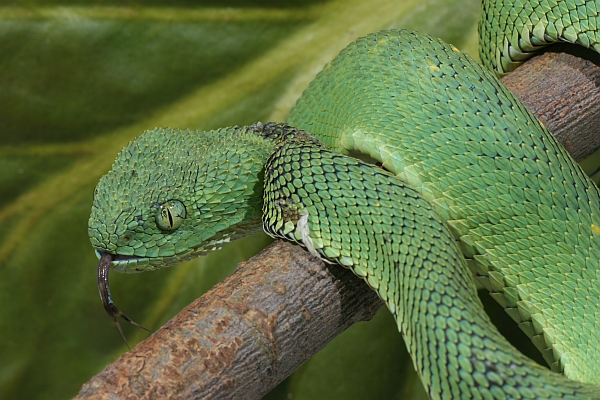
x=251 y=331
x=561 y=87
x=246 y=335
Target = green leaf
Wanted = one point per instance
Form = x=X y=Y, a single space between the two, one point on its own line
x=78 y=82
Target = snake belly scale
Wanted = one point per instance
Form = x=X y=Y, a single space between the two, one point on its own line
x=473 y=183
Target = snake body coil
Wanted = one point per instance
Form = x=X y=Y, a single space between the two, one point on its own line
x=474 y=183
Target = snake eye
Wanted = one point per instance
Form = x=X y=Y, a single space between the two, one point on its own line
x=170 y=215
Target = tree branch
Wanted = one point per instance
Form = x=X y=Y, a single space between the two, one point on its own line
x=252 y=330
x=244 y=336
x=561 y=87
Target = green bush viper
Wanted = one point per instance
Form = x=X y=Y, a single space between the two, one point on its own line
x=473 y=183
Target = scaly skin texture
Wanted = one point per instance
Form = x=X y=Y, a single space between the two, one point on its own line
x=472 y=174
x=222 y=199
x=512 y=30
x=366 y=219
x=523 y=210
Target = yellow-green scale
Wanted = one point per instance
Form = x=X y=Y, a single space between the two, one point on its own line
x=470 y=163
x=511 y=194
x=399 y=245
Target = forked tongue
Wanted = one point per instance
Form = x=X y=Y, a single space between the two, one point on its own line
x=107 y=302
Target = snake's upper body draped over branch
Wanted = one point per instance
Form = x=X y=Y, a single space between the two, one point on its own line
x=471 y=184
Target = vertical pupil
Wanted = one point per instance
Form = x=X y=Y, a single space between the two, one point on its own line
x=170 y=217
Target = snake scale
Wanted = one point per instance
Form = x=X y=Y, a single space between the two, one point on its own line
x=469 y=184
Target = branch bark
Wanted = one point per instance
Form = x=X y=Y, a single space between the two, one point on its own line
x=251 y=331
x=246 y=335
x=562 y=87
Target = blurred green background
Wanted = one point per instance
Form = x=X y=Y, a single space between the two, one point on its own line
x=78 y=80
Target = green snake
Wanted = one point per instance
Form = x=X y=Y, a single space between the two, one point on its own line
x=468 y=183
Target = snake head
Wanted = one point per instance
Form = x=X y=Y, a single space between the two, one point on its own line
x=172 y=195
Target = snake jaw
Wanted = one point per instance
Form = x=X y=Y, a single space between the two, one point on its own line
x=103 y=288
x=133 y=264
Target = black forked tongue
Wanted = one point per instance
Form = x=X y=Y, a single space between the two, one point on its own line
x=107 y=301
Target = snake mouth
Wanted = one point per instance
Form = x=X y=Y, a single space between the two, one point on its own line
x=106 y=259
x=122 y=258
x=117 y=258
x=130 y=264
